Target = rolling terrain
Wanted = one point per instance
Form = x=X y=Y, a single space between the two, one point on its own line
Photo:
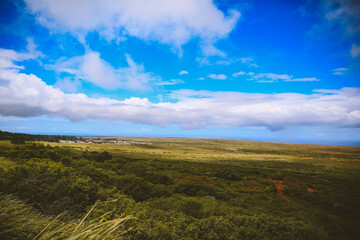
x=183 y=188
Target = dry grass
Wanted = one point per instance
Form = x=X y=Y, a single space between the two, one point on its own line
x=6 y=164
x=98 y=228
x=215 y=150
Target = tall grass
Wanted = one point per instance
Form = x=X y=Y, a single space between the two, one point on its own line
x=98 y=228
x=21 y=221
x=18 y=220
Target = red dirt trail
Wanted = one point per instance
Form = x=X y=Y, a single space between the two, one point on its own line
x=252 y=185
x=279 y=188
x=310 y=189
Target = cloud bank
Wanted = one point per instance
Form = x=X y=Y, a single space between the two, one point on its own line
x=173 y=22
x=26 y=95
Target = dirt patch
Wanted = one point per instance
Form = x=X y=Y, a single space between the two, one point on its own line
x=296 y=183
x=279 y=186
x=310 y=189
x=253 y=185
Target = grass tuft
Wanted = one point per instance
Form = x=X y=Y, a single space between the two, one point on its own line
x=98 y=228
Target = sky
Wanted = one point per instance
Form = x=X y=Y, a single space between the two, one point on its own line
x=280 y=71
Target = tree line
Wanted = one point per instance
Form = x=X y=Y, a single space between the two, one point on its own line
x=21 y=138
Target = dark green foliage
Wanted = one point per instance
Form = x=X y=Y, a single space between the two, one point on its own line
x=178 y=199
x=20 y=138
x=158 y=177
x=258 y=227
x=139 y=189
x=191 y=188
x=229 y=175
x=17 y=220
x=17 y=140
x=97 y=156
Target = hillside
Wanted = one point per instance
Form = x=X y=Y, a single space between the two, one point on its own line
x=179 y=188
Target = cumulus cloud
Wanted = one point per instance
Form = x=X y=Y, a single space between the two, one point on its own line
x=92 y=68
x=183 y=72
x=68 y=84
x=169 y=22
x=217 y=76
x=25 y=95
x=273 y=77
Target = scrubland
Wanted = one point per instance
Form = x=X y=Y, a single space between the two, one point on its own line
x=178 y=188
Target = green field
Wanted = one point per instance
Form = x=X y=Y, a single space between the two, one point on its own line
x=182 y=188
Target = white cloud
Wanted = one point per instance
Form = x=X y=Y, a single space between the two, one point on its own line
x=171 y=82
x=217 y=76
x=94 y=69
x=31 y=48
x=344 y=13
x=309 y=79
x=169 y=22
x=203 y=60
x=355 y=51
x=68 y=84
x=241 y=73
x=208 y=49
x=226 y=61
x=340 y=71
x=248 y=61
x=25 y=95
x=273 y=77
x=9 y=57
x=183 y=72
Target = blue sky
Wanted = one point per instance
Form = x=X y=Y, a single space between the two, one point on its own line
x=283 y=71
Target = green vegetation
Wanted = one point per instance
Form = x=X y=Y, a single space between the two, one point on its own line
x=21 y=138
x=179 y=189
